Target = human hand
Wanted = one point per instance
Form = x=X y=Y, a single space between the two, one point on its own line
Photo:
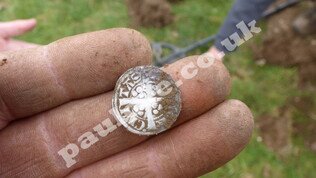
x=52 y=95
x=12 y=29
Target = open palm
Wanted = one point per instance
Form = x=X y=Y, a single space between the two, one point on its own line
x=51 y=95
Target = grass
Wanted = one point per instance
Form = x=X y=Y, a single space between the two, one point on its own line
x=262 y=88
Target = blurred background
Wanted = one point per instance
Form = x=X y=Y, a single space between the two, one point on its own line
x=273 y=73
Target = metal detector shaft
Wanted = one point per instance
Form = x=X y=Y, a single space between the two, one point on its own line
x=279 y=8
x=181 y=52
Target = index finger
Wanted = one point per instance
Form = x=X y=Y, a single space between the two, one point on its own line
x=35 y=80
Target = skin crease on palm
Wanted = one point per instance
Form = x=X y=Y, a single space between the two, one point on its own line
x=52 y=94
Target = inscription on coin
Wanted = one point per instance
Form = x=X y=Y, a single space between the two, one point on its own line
x=146 y=100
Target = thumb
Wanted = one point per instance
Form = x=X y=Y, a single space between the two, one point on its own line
x=15 y=28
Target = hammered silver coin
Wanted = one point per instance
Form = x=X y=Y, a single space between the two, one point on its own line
x=146 y=100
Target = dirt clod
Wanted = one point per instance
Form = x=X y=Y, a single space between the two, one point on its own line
x=278 y=128
x=174 y=1
x=308 y=131
x=276 y=131
x=150 y=13
x=307 y=73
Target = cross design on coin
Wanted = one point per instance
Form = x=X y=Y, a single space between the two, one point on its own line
x=146 y=100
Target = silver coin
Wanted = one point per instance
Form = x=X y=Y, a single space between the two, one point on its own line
x=146 y=100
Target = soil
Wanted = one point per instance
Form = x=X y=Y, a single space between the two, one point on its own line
x=278 y=128
x=150 y=13
x=308 y=131
x=307 y=73
x=276 y=131
x=283 y=46
x=306 y=128
x=174 y=1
